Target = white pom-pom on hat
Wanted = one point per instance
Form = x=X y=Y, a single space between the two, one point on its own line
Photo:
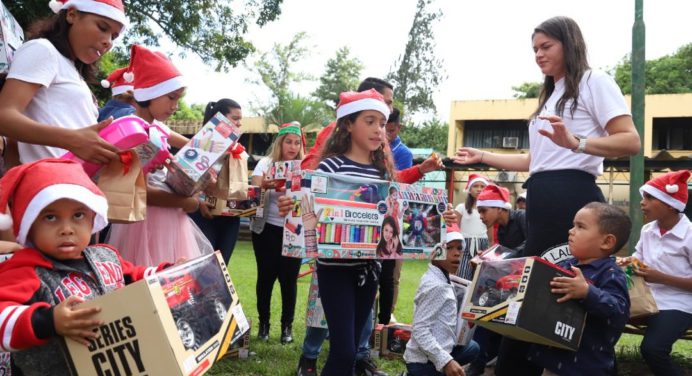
x=129 y=76
x=672 y=188
x=105 y=83
x=55 y=6
x=5 y=221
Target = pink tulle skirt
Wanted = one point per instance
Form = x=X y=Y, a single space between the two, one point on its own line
x=166 y=235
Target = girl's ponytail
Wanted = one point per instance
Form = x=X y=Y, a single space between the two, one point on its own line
x=224 y=106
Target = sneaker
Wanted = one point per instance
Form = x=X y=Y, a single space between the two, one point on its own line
x=263 y=332
x=286 y=334
x=307 y=367
x=392 y=319
x=367 y=367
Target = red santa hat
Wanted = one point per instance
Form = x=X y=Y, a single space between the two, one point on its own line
x=475 y=178
x=453 y=233
x=351 y=102
x=113 y=9
x=154 y=74
x=120 y=81
x=493 y=196
x=30 y=187
x=671 y=188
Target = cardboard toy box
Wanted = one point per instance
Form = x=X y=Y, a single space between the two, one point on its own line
x=240 y=348
x=465 y=328
x=179 y=321
x=235 y=208
x=197 y=162
x=376 y=341
x=513 y=298
x=11 y=38
x=356 y=215
x=394 y=340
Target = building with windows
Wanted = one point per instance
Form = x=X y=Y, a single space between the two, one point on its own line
x=502 y=126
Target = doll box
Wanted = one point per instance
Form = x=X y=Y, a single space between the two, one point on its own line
x=179 y=321
x=358 y=218
x=513 y=298
x=394 y=340
x=197 y=162
x=235 y=208
x=11 y=38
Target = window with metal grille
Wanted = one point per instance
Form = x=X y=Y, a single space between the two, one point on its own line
x=488 y=134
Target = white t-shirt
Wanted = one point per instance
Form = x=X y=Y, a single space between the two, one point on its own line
x=471 y=224
x=600 y=100
x=64 y=100
x=273 y=216
x=670 y=254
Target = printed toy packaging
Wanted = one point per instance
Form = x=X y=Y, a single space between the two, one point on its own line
x=376 y=341
x=465 y=328
x=235 y=208
x=202 y=157
x=314 y=315
x=336 y=216
x=394 y=340
x=513 y=298
x=494 y=253
x=179 y=321
x=11 y=38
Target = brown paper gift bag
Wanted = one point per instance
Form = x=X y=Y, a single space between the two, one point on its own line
x=123 y=184
x=237 y=177
x=642 y=301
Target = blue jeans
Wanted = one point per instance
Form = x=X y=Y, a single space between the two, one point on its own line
x=222 y=232
x=663 y=329
x=314 y=337
x=461 y=354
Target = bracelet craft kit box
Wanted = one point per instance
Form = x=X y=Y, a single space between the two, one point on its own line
x=179 y=321
x=337 y=216
x=512 y=297
x=193 y=166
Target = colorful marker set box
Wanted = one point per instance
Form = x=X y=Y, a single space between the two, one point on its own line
x=179 y=321
x=337 y=216
x=513 y=298
x=198 y=161
x=11 y=37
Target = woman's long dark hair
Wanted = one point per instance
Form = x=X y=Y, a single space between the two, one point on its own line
x=568 y=33
x=224 y=106
x=340 y=142
x=470 y=203
x=55 y=29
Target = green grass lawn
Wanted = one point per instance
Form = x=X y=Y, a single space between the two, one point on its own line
x=272 y=358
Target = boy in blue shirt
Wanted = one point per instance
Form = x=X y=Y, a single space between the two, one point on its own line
x=599 y=285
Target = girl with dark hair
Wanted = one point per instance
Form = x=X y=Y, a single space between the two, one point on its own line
x=476 y=234
x=221 y=231
x=389 y=245
x=45 y=103
x=581 y=118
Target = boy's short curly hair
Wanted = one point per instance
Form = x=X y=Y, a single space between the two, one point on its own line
x=614 y=221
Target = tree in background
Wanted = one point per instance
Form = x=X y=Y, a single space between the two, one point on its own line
x=527 y=90
x=666 y=75
x=213 y=30
x=188 y=112
x=276 y=69
x=418 y=72
x=342 y=74
x=430 y=134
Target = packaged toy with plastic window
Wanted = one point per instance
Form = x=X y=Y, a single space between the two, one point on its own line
x=235 y=208
x=513 y=298
x=336 y=216
x=394 y=340
x=193 y=166
x=177 y=322
x=11 y=38
x=465 y=328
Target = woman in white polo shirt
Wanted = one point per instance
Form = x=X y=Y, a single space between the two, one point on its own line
x=581 y=118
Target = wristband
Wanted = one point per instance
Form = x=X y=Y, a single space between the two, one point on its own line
x=582 y=144
x=311 y=240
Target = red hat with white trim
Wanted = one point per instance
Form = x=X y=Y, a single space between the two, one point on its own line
x=120 y=81
x=30 y=187
x=113 y=9
x=453 y=233
x=671 y=188
x=476 y=178
x=154 y=74
x=352 y=101
x=493 y=196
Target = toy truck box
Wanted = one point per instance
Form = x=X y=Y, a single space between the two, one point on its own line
x=193 y=166
x=240 y=347
x=11 y=38
x=513 y=298
x=394 y=340
x=179 y=321
x=376 y=341
x=235 y=208
x=337 y=216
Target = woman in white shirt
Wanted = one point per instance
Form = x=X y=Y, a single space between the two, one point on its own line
x=45 y=103
x=581 y=118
